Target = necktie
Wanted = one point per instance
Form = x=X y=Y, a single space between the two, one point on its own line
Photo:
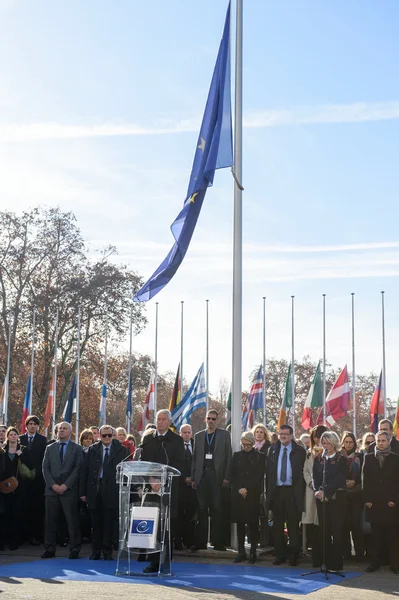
x=62 y=444
x=187 y=448
x=283 y=474
x=30 y=441
x=105 y=462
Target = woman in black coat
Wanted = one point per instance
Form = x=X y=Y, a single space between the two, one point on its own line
x=381 y=498
x=354 y=506
x=13 y=504
x=246 y=477
x=332 y=500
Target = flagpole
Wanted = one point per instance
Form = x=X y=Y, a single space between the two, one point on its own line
x=156 y=360
x=353 y=366
x=324 y=359
x=384 y=373
x=236 y=390
x=7 y=382
x=105 y=368
x=32 y=364
x=77 y=416
x=181 y=346
x=207 y=355
x=264 y=364
x=293 y=363
x=55 y=375
x=129 y=419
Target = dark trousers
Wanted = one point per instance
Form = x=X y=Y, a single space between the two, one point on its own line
x=353 y=524
x=209 y=496
x=103 y=521
x=383 y=543
x=185 y=524
x=68 y=503
x=13 y=518
x=253 y=533
x=331 y=530
x=285 y=511
x=313 y=537
x=34 y=508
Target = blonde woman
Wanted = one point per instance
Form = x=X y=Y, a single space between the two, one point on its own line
x=121 y=435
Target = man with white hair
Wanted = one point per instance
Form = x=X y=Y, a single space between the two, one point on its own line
x=61 y=470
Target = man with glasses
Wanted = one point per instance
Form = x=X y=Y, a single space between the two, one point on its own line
x=210 y=467
x=285 y=493
x=99 y=489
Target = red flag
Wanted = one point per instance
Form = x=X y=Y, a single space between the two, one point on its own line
x=49 y=408
x=149 y=404
x=377 y=404
x=337 y=401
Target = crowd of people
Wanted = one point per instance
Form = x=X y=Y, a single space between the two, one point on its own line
x=345 y=491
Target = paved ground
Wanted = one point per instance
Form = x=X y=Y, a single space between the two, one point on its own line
x=375 y=586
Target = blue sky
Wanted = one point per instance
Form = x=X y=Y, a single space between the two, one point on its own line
x=100 y=105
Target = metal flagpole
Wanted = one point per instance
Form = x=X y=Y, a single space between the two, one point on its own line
x=384 y=373
x=78 y=384
x=32 y=364
x=264 y=364
x=156 y=360
x=181 y=347
x=292 y=365
x=207 y=355
x=7 y=381
x=236 y=388
x=105 y=367
x=353 y=367
x=324 y=359
x=129 y=418
x=55 y=374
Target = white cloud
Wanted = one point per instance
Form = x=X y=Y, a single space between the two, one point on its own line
x=358 y=112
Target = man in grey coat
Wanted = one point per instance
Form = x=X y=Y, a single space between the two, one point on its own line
x=61 y=470
x=209 y=473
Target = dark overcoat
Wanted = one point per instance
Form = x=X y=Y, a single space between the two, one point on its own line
x=246 y=471
x=380 y=486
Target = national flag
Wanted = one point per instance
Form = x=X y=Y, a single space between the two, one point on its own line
x=337 y=401
x=377 y=404
x=149 y=404
x=27 y=409
x=70 y=406
x=254 y=401
x=129 y=400
x=228 y=410
x=102 y=413
x=314 y=399
x=194 y=398
x=396 y=422
x=2 y=402
x=176 y=392
x=214 y=150
x=286 y=403
x=49 y=408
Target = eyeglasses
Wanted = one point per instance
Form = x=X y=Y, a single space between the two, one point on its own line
x=108 y=435
x=247 y=445
x=211 y=418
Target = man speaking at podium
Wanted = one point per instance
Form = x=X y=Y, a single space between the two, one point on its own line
x=167 y=448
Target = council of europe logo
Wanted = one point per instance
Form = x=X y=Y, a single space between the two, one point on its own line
x=143 y=527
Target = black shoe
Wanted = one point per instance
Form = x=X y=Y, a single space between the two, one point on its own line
x=178 y=546
x=252 y=559
x=74 y=554
x=108 y=557
x=293 y=562
x=95 y=556
x=152 y=568
x=48 y=554
x=371 y=568
x=220 y=548
x=240 y=557
x=279 y=561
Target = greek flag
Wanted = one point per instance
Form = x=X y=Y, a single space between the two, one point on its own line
x=194 y=398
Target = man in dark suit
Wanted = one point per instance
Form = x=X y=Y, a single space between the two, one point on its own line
x=387 y=426
x=209 y=472
x=98 y=487
x=34 y=493
x=167 y=448
x=187 y=498
x=61 y=472
x=285 y=493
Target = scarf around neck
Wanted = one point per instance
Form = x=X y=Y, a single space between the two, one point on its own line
x=382 y=454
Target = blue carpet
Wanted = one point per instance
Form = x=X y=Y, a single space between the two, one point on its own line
x=189 y=575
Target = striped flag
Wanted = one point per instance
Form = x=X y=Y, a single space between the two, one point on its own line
x=228 y=410
x=49 y=408
x=27 y=409
x=254 y=401
x=102 y=413
x=2 y=403
x=176 y=396
x=70 y=406
x=149 y=404
x=286 y=404
x=396 y=422
x=337 y=401
x=194 y=398
x=377 y=404
x=314 y=400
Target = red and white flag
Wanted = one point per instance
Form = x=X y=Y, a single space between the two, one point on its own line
x=337 y=401
x=149 y=404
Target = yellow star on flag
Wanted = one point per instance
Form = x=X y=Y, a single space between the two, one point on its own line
x=192 y=199
x=201 y=146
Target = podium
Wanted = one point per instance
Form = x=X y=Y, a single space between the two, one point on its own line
x=145 y=495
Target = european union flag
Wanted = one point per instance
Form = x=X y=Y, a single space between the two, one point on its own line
x=214 y=151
